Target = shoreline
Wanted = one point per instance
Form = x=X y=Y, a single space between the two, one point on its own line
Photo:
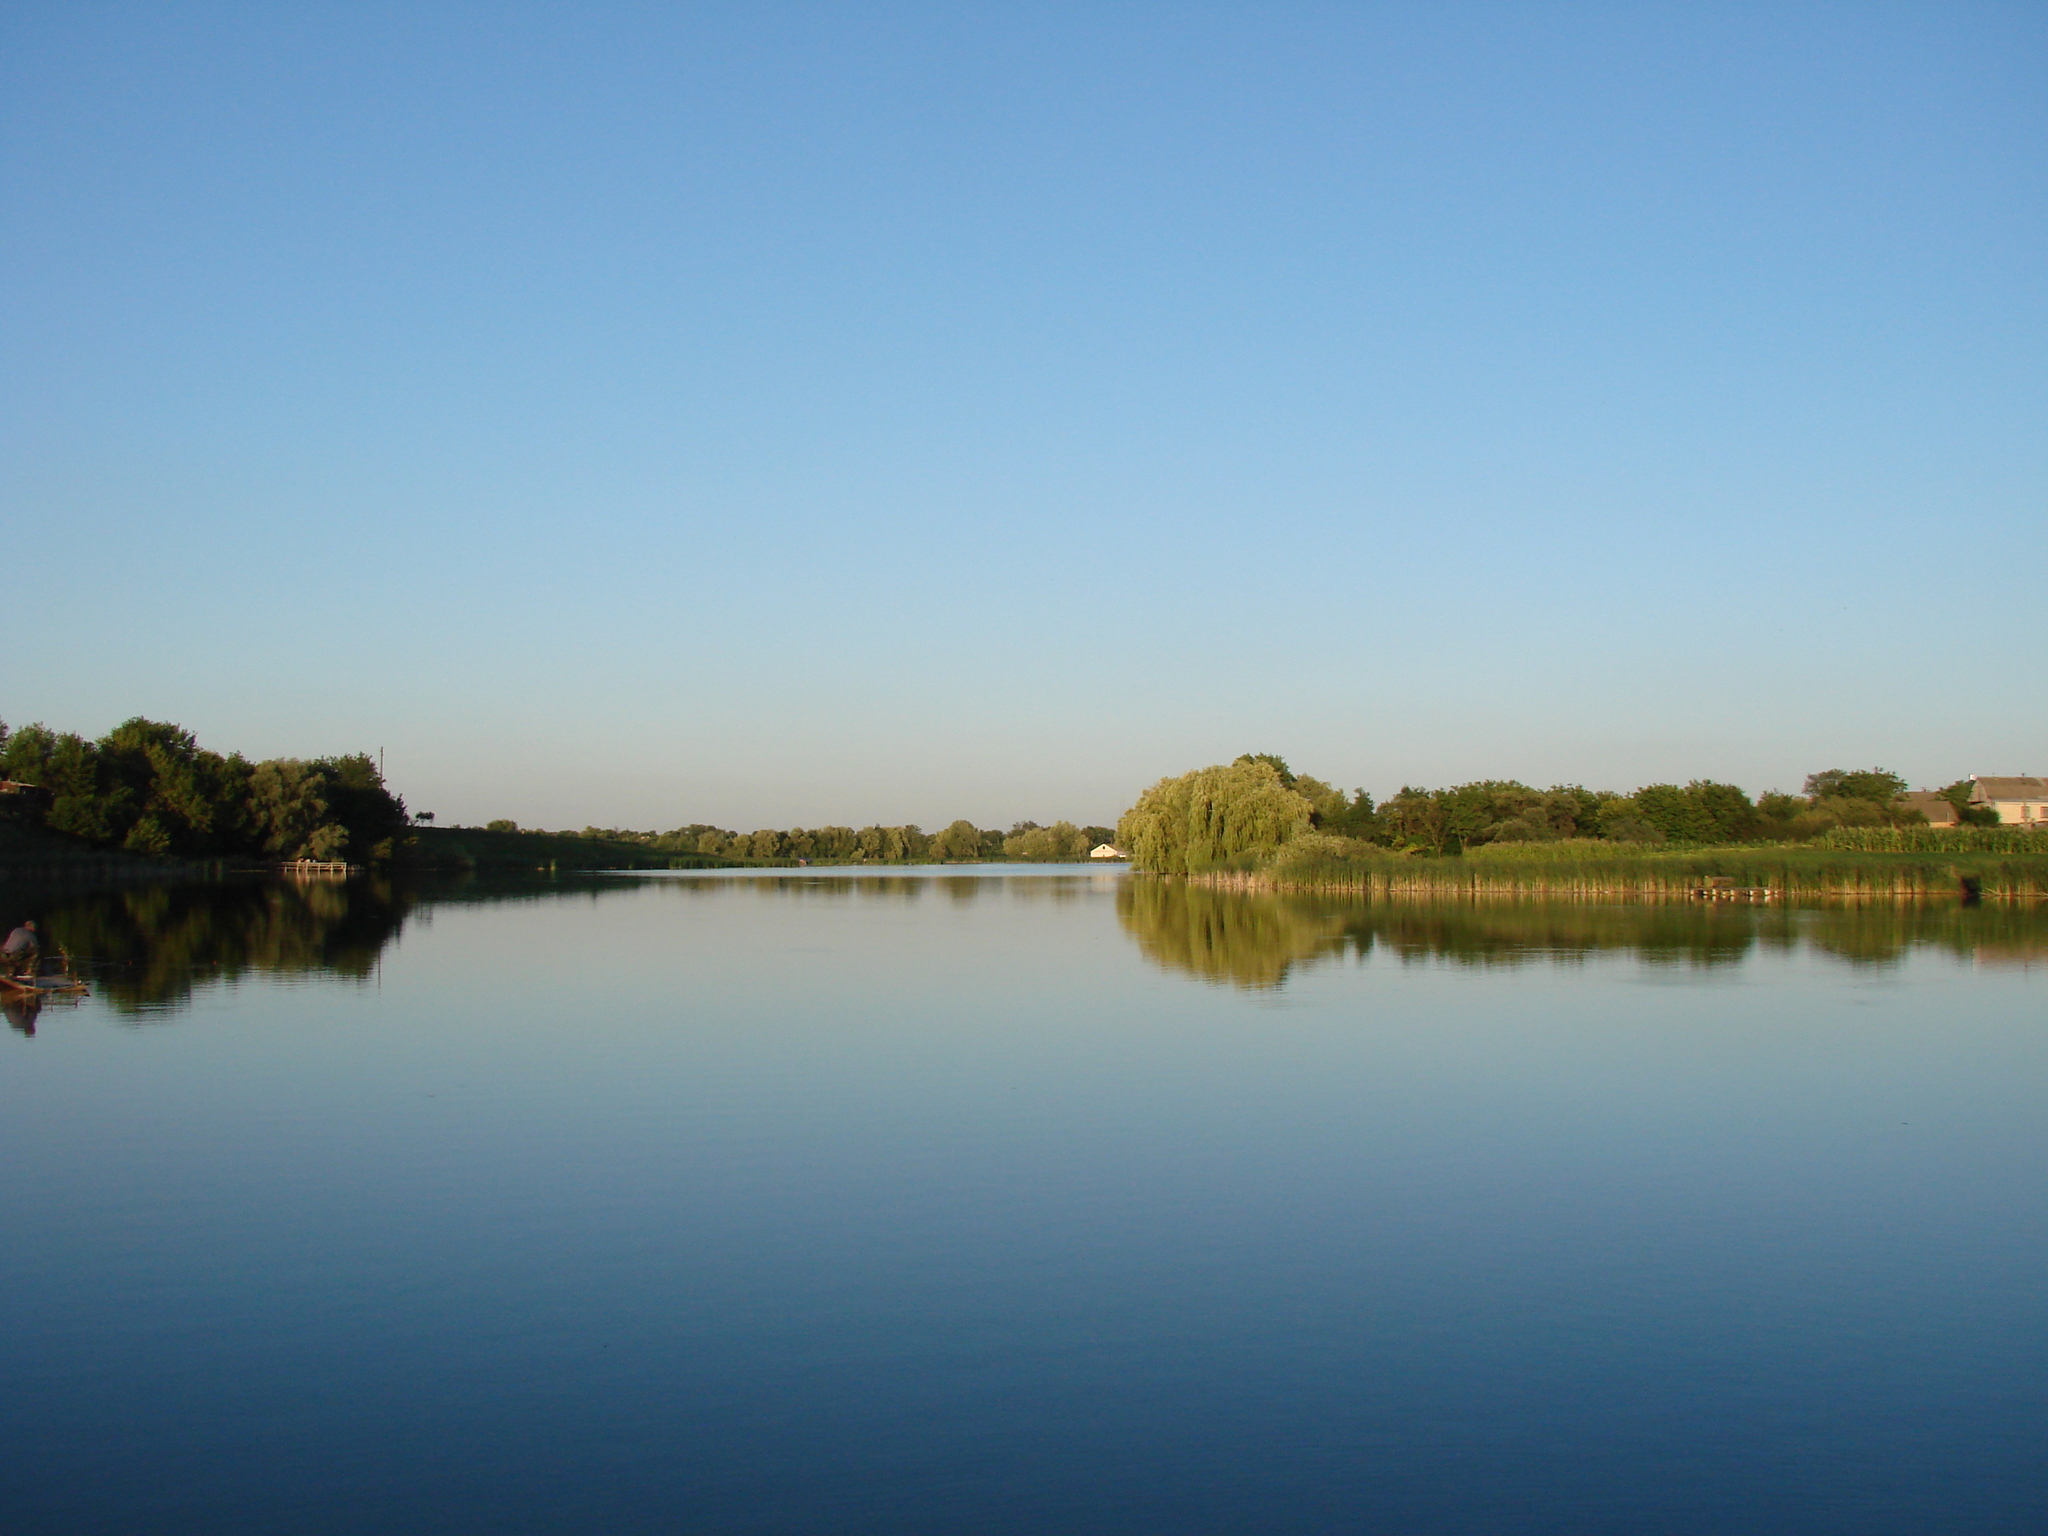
x=1736 y=877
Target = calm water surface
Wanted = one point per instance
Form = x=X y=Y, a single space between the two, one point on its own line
x=1022 y=1201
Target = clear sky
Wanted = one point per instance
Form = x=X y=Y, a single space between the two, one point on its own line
x=774 y=415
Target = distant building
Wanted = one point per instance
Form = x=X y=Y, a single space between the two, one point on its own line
x=2020 y=802
x=1106 y=851
x=1939 y=812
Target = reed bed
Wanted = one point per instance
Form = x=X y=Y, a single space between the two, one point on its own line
x=1935 y=840
x=1589 y=869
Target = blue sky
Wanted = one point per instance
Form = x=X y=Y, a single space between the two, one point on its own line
x=784 y=415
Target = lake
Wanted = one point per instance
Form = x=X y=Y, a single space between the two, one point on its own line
x=1021 y=1200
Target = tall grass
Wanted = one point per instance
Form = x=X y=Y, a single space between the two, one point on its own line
x=1935 y=840
x=1608 y=869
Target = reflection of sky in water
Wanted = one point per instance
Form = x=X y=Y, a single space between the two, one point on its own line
x=918 y=1202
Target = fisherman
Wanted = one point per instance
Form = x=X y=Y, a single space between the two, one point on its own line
x=20 y=950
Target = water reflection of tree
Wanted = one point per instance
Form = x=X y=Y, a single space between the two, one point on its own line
x=1229 y=936
x=828 y=885
x=1880 y=932
x=1255 y=939
x=145 y=948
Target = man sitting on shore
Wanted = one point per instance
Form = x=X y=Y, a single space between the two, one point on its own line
x=18 y=954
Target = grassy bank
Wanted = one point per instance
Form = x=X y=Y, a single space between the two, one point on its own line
x=1600 y=868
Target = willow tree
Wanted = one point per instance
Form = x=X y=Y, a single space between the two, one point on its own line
x=1203 y=818
x=961 y=840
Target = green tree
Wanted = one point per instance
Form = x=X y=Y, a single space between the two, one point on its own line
x=182 y=800
x=1777 y=815
x=149 y=787
x=836 y=842
x=890 y=844
x=1061 y=840
x=1571 y=810
x=82 y=800
x=959 y=840
x=1354 y=817
x=1448 y=820
x=1958 y=795
x=1620 y=820
x=288 y=811
x=1416 y=818
x=1273 y=760
x=372 y=817
x=1204 y=818
x=1880 y=786
x=1701 y=812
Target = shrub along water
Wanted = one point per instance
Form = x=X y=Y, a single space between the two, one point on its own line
x=148 y=788
x=1601 y=869
x=1256 y=823
x=1911 y=839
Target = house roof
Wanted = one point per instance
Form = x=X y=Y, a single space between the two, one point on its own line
x=2021 y=788
x=1936 y=808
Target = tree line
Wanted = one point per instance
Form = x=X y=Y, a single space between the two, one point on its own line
x=1253 y=805
x=148 y=787
x=956 y=842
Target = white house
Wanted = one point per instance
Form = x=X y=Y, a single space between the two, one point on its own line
x=1106 y=851
x=2020 y=802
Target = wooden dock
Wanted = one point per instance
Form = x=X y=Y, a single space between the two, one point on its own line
x=1724 y=888
x=317 y=869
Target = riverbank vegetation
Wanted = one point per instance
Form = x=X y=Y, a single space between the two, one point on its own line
x=1594 y=868
x=1255 y=822
x=501 y=847
x=1256 y=940
x=148 y=789
x=958 y=842
x=147 y=793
